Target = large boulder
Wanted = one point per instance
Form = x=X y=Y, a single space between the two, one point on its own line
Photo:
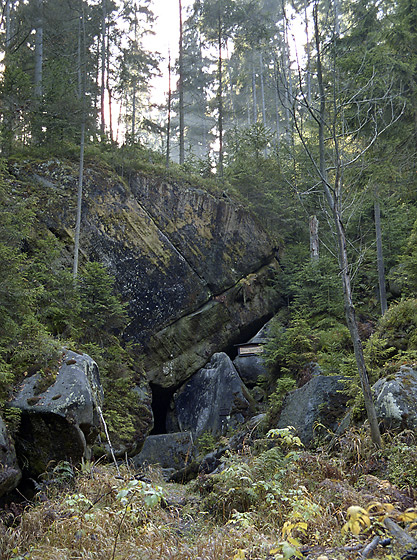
x=59 y=421
x=213 y=400
x=170 y=451
x=320 y=401
x=396 y=400
x=252 y=367
x=194 y=267
x=10 y=473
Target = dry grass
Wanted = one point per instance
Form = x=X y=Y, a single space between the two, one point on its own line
x=102 y=516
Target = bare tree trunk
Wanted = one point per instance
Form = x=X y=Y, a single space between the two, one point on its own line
x=103 y=65
x=380 y=256
x=314 y=238
x=109 y=92
x=220 y=95
x=254 y=96
x=181 y=88
x=79 y=202
x=334 y=201
x=39 y=49
x=308 y=51
x=81 y=165
x=8 y=25
x=79 y=72
x=261 y=64
x=169 y=111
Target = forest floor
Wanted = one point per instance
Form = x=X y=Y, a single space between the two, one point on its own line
x=275 y=505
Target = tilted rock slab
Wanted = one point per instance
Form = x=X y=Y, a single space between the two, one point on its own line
x=194 y=267
x=61 y=422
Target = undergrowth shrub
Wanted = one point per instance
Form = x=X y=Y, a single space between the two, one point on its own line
x=275 y=400
x=394 y=342
x=402 y=465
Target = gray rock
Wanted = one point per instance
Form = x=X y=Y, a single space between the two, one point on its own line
x=195 y=268
x=396 y=400
x=250 y=368
x=170 y=451
x=213 y=400
x=61 y=421
x=10 y=474
x=320 y=400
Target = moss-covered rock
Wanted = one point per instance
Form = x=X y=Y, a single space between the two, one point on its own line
x=61 y=422
x=194 y=268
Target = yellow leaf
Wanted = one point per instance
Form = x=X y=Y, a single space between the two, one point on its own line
x=355 y=527
x=293 y=541
x=356 y=511
x=240 y=554
x=376 y=508
x=408 y=515
x=274 y=551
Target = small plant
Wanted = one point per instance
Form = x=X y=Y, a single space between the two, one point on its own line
x=285 y=437
x=283 y=386
x=206 y=442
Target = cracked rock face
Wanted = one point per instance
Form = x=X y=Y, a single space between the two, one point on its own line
x=195 y=268
x=61 y=422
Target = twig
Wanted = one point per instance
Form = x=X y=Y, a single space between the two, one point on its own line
x=370 y=547
x=402 y=536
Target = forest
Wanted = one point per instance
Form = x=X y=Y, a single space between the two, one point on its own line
x=296 y=121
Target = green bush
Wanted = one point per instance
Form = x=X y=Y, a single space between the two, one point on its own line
x=394 y=341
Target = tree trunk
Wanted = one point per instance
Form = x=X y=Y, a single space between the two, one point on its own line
x=261 y=63
x=254 y=96
x=79 y=202
x=81 y=165
x=314 y=238
x=333 y=199
x=109 y=92
x=181 y=89
x=169 y=111
x=220 y=95
x=39 y=50
x=380 y=256
x=103 y=65
x=8 y=25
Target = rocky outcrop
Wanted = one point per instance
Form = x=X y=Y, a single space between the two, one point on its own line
x=10 y=473
x=396 y=400
x=180 y=349
x=321 y=400
x=213 y=400
x=60 y=421
x=194 y=267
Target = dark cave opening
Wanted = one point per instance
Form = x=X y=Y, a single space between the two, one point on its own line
x=161 y=399
x=245 y=334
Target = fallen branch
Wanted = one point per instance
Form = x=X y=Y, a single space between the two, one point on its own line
x=370 y=547
x=402 y=536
